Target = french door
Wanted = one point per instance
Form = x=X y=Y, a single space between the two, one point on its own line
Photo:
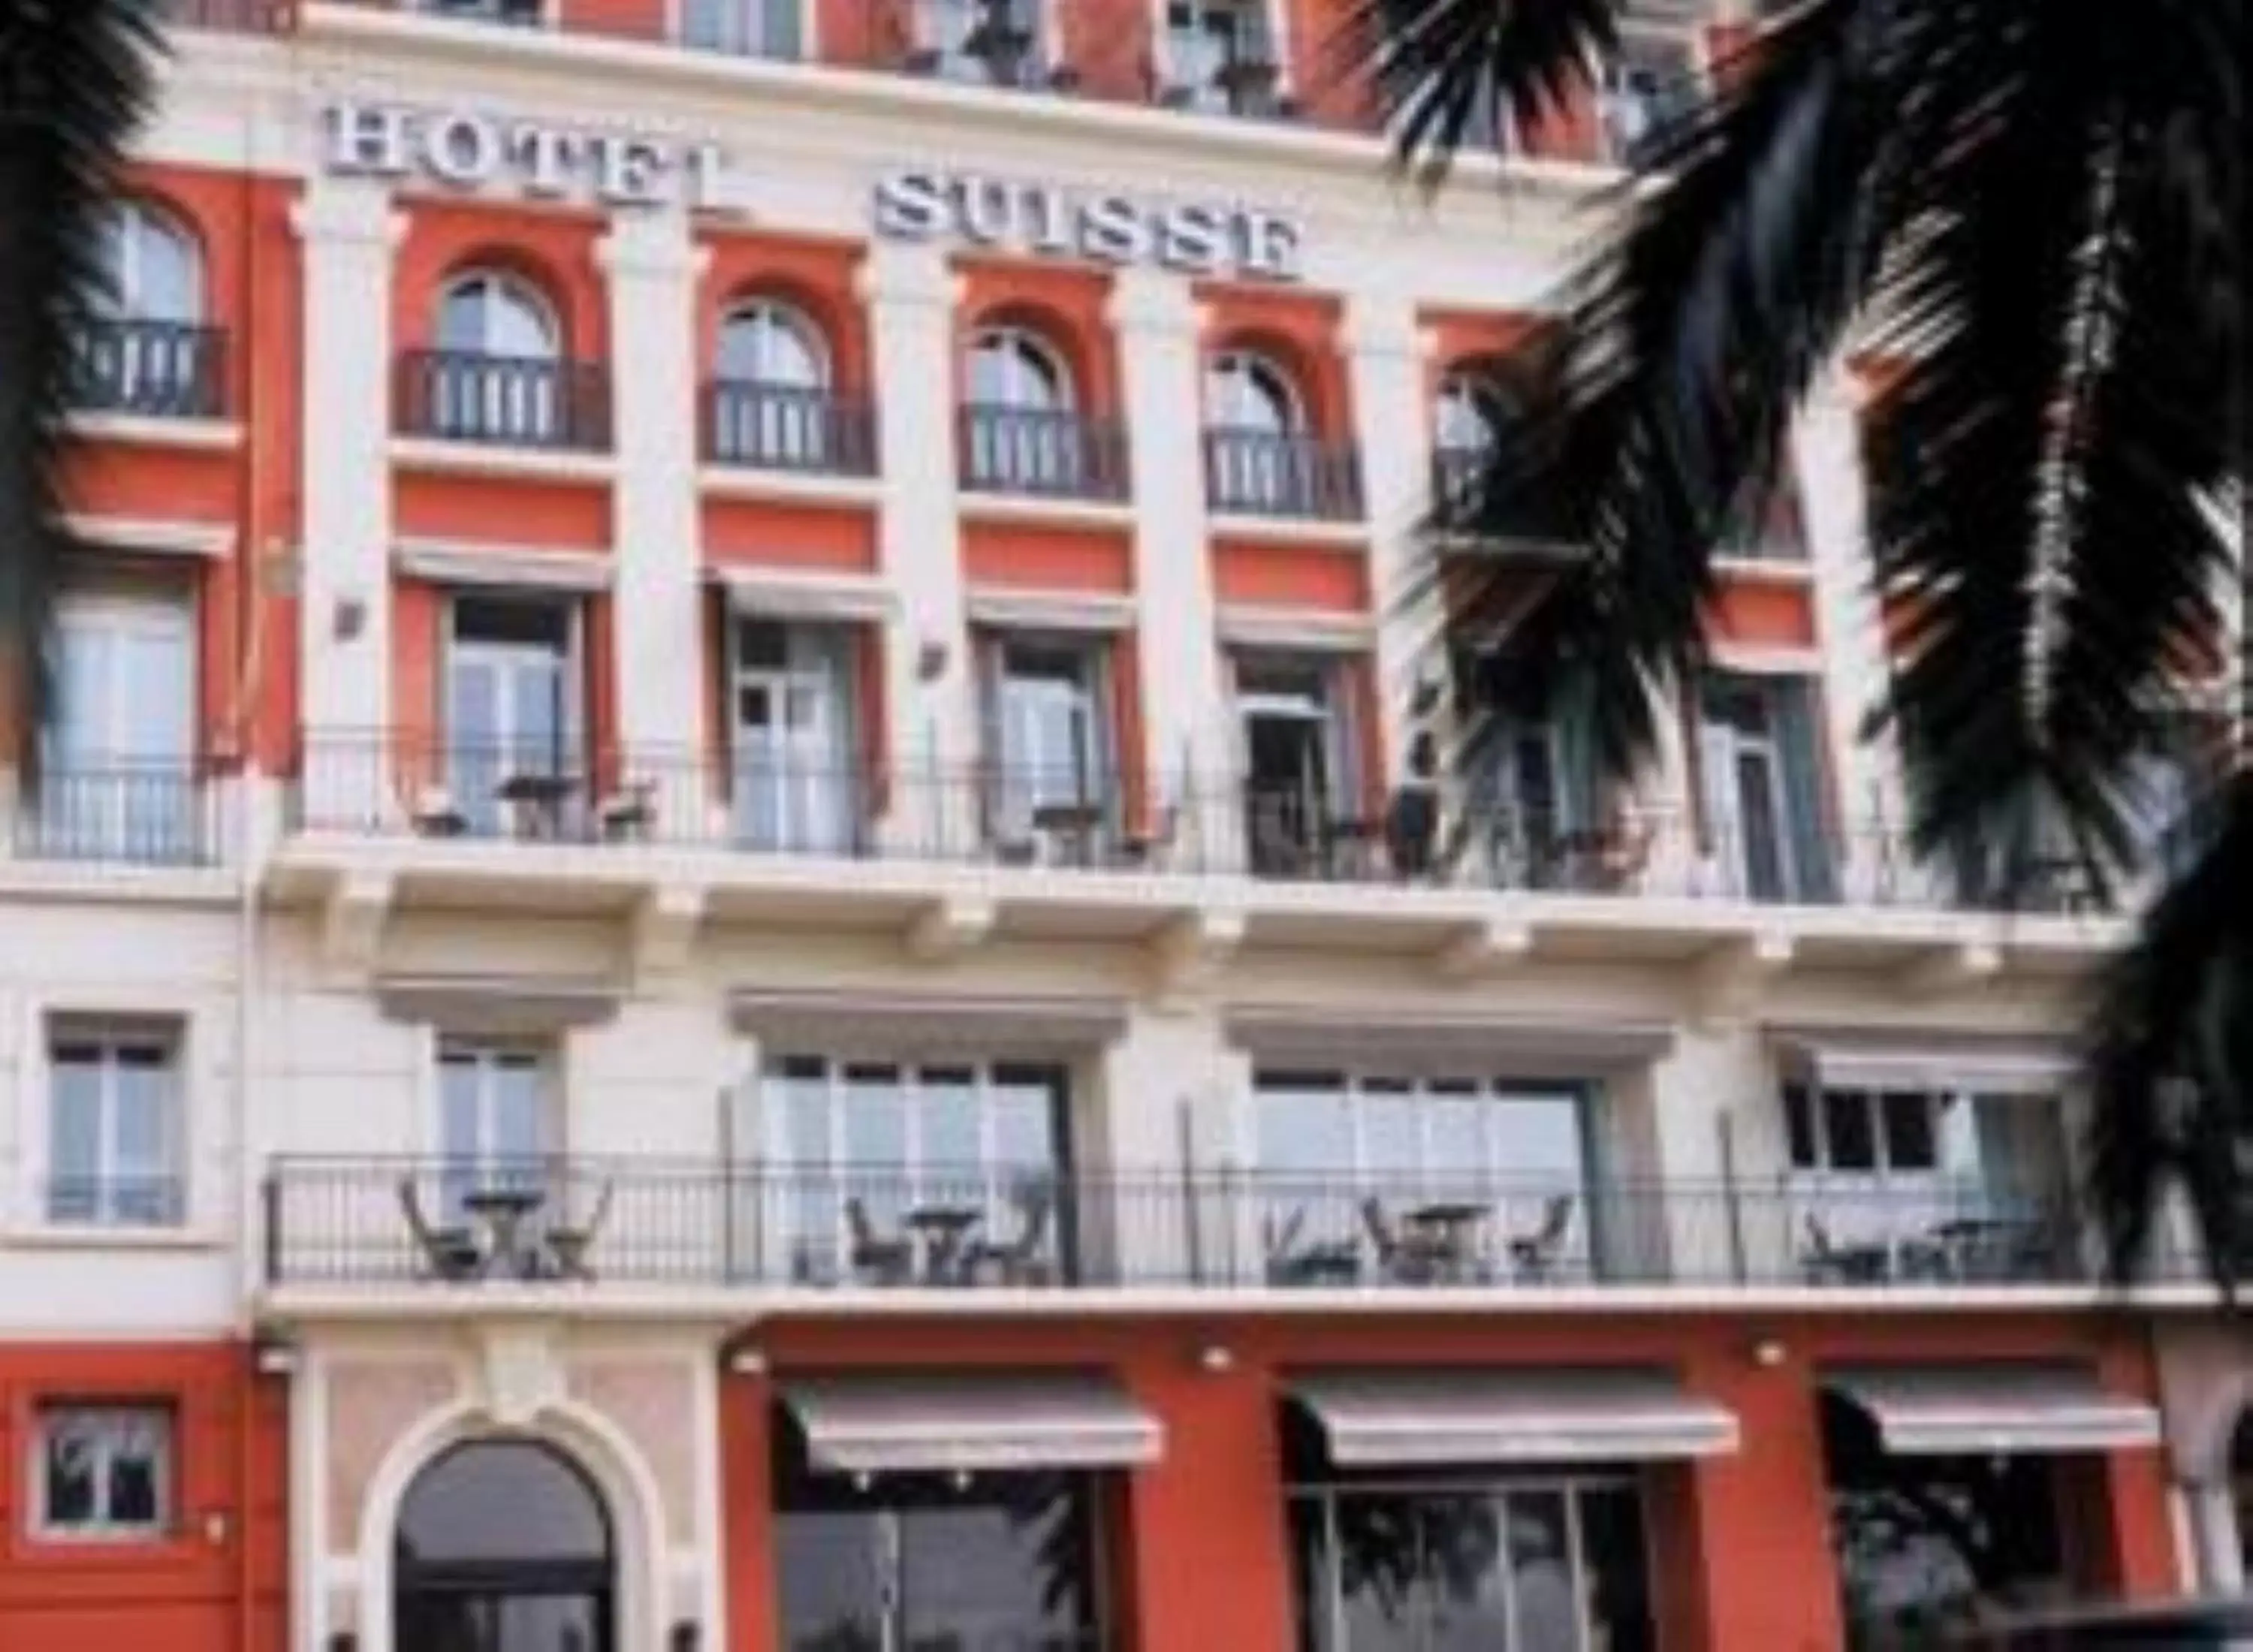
x=794 y=781
x=121 y=781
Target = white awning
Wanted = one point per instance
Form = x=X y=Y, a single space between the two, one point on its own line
x=1980 y=1066
x=1950 y=1411
x=902 y=1425
x=503 y=567
x=1549 y=1415
x=822 y=594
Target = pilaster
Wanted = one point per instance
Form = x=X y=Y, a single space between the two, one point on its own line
x=1391 y=410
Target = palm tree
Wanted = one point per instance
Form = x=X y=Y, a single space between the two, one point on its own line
x=74 y=82
x=2029 y=212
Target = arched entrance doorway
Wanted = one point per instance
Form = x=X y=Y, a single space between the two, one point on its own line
x=503 y=1545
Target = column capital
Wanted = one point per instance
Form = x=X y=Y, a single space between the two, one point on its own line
x=348 y=212
x=659 y=245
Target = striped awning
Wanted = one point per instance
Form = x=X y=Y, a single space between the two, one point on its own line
x=1486 y=1415
x=2000 y=1408
x=905 y=1424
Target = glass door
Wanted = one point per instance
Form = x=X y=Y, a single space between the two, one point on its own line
x=795 y=784
x=120 y=782
x=1293 y=771
x=493 y=1122
x=511 y=716
x=1049 y=801
x=1747 y=808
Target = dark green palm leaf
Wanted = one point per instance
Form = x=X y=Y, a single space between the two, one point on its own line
x=74 y=83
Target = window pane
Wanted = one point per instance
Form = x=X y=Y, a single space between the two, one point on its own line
x=143 y=1169
x=831 y=1581
x=1541 y=1574
x=1799 y=1127
x=1312 y=1573
x=947 y=1102
x=519 y=1108
x=74 y=1137
x=71 y=1469
x=1305 y=1123
x=1380 y=1566
x=1024 y=1107
x=1456 y=1125
x=1469 y=1604
x=136 y=1462
x=876 y=1122
x=1391 y=1138
x=1846 y=1122
x=1615 y=1583
x=1540 y=1137
x=1910 y=1144
x=995 y=1575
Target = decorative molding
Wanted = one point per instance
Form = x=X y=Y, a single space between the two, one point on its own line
x=1189 y=954
x=1019 y=1024
x=787 y=595
x=154 y=536
x=1484 y=949
x=519 y=1373
x=1050 y=610
x=502 y=1004
x=142 y=430
x=947 y=928
x=1296 y=628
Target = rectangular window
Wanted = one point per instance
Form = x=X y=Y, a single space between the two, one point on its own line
x=495 y=1118
x=944 y=1174
x=1300 y=776
x=797 y=782
x=513 y=762
x=1525 y=1566
x=1368 y=1178
x=102 y=1472
x=1759 y=750
x=120 y=782
x=115 y=1134
x=1049 y=734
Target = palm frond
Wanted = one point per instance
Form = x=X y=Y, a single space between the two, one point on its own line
x=2171 y=1057
x=1698 y=321
x=74 y=83
x=1443 y=68
x=2043 y=471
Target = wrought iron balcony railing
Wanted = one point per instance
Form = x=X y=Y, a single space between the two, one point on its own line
x=154 y=369
x=788 y=428
x=117 y=813
x=1004 y=813
x=530 y=401
x=1031 y=450
x=1029 y=1227
x=1259 y=473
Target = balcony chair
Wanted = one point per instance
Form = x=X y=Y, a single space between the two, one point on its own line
x=1023 y=1260
x=1405 y=1259
x=1534 y=1256
x=437 y=815
x=1829 y=1263
x=448 y=1250
x=629 y=814
x=876 y=1257
x=568 y=1244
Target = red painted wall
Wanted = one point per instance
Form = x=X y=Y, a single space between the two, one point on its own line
x=1742 y=1555
x=216 y=1584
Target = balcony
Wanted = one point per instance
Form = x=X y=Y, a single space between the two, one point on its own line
x=115 y=814
x=1260 y=473
x=1042 y=454
x=150 y=369
x=1236 y=72
x=777 y=426
x=400 y=1223
x=418 y=784
x=979 y=42
x=524 y=402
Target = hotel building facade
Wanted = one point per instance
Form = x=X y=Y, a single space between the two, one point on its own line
x=737 y=937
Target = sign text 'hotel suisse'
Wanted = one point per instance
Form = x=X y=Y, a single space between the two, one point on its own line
x=476 y=152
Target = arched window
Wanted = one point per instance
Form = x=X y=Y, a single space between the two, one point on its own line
x=157 y=273
x=487 y=312
x=763 y=342
x=1246 y=392
x=1013 y=367
x=1470 y=415
x=503 y=1546
x=147 y=352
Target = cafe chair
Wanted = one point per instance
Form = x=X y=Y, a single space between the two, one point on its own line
x=568 y=1242
x=1404 y=1260
x=448 y=1250
x=877 y=1258
x=1830 y=1263
x=1023 y=1259
x=1533 y=1256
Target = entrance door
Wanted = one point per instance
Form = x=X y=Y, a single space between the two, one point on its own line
x=503 y=1546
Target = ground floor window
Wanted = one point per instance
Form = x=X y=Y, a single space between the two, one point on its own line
x=1471 y=1564
x=1925 y=1542
x=948 y=1562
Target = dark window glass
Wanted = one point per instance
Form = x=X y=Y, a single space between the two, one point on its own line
x=1310 y=1572
x=1910 y=1144
x=487 y=619
x=502 y=1500
x=1613 y=1551
x=1799 y=1127
x=1846 y=1121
